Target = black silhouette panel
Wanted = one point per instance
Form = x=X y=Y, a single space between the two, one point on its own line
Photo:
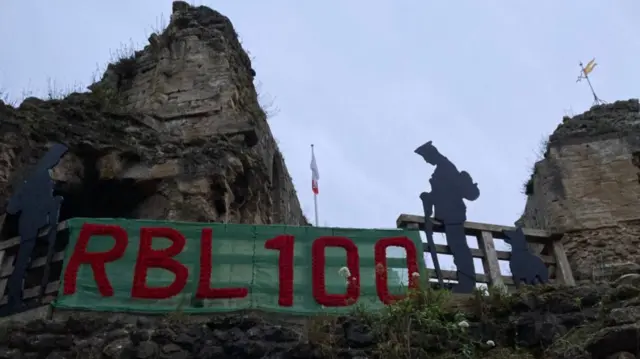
x=449 y=189
x=37 y=208
x=526 y=267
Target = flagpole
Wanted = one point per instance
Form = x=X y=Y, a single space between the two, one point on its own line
x=315 y=196
x=315 y=205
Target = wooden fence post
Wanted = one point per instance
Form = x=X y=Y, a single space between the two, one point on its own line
x=412 y=226
x=563 y=269
x=490 y=259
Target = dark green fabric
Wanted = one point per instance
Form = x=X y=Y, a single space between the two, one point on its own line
x=239 y=259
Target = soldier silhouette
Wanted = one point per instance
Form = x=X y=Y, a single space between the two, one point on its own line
x=449 y=188
x=38 y=209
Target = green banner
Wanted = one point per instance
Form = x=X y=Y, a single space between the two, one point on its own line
x=240 y=256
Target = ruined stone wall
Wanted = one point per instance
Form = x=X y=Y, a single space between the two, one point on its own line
x=195 y=81
x=588 y=186
x=172 y=132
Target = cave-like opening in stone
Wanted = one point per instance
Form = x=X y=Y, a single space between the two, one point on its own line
x=91 y=197
x=97 y=197
x=94 y=197
x=104 y=198
x=635 y=160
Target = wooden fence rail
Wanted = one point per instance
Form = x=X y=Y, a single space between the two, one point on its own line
x=31 y=293
x=553 y=255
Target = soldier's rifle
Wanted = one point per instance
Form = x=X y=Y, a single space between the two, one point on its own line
x=427 y=207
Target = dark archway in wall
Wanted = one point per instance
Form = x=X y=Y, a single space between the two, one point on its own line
x=635 y=160
x=276 y=187
x=113 y=198
x=94 y=197
x=103 y=198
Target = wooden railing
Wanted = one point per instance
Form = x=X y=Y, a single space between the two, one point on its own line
x=553 y=254
x=33 y=277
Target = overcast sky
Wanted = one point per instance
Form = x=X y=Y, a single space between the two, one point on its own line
x=369 y=81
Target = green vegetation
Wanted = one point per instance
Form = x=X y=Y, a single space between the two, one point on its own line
x=493 y=324
x=421 y=325
x=123 y=57
x=541 y=153
x=428 y=323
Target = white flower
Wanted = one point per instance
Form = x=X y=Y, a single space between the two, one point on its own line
x=415 y=275
x=491 y=343
x=345 y=272
x=463 y=324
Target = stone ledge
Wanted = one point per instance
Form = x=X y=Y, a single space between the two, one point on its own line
x=43 y=312
x=289 y=319
x=597 y=228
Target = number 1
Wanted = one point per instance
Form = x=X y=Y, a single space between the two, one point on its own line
x=284 y=244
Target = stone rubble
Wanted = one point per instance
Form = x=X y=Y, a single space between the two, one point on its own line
x=583 y=322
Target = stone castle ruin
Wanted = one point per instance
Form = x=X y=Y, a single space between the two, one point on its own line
x=173 y=132
x=588 y=188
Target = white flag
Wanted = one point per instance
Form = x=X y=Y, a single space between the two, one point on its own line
x=315 y=175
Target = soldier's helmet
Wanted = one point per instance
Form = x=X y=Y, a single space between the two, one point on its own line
x=428 y=151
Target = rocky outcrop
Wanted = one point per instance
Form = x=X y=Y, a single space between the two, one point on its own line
x=172 y=132
x=588 y=187
x=229 y=337
x=584 y=322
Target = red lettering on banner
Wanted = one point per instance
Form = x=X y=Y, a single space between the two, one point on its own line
x=159 y=258
x=285 y=245
x=97 y=260
x=382 y=284
x=206 y=264
x=318 y=262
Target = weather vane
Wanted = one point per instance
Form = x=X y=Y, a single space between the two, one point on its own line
x=584 y=74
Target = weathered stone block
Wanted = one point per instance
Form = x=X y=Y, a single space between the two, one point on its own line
x=588 y=186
